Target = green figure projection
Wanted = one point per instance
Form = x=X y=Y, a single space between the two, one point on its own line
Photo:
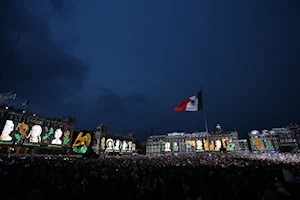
x=22 y=129
x=175 y=146
x=82 y=143
x=81 y=149
x=46 y=138
x=269 y=145
x=18 y=137
x=103 y=143
x=66 y=137
x=230 y=146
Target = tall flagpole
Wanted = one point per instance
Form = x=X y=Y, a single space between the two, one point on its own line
x=206 y=130
x=205 y=121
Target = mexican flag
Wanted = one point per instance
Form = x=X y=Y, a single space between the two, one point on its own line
x=194 y=103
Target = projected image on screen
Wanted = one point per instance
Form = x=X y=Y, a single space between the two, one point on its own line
x=218 y=145
x=212 y=145
x=7 y=130
x=124 y=146
x=167 y=146
x=82 y=143
x=269 y=144
x=117 y=145
x=35 y=134
x=229 y=145
x=129 y=146
x=224 y=142
x=175 y=146
x=258 y=144
x=102 y=143
x=67 y=138
x=199 y=145
x=57 y=135
x=190 y=145
x=109 y=144
x=48 y=132
x=206 y=147
x=21 y=134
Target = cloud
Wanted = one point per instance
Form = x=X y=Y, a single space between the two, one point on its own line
x=108 y=101
x=132 y=104
x=58 y=5
x=40 y=68
x=63 y=7
x=132 y=112
x=131 y=82
x=137 y=97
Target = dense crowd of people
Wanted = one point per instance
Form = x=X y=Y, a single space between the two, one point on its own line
x=193 y=177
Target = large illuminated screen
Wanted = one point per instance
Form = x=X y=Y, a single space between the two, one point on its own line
x=167 y=146
x=124 y=146
x=109 y=144
x=269 y=144
x=206 y=145
x=175 y=146
x=130 y=144
x=229 y=145
x=21 y=133
x=35 y=134
x=212 y=145
x=218 y=145
x=7 y=130
x=67 y=135
x=199 y=145
x=57 y=135
x=258 y=144
x=117 y=145
x=102 y=143
x=82 y=143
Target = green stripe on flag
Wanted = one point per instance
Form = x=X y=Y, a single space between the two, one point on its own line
x=200 y=100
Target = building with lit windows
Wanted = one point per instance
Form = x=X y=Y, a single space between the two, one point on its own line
x=113 y=143
x=284 y=139
x=180 y=142
x=265 y=141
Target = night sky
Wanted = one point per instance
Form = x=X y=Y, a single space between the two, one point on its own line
x=128 y=63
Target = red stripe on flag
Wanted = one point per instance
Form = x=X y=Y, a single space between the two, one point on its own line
x=182 y=105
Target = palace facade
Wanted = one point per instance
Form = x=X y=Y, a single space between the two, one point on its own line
x=113 y=143
x=177 y=142
x=285 y=139
x=21 y=131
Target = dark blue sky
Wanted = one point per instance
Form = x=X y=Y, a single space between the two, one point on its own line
x=128 y=63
